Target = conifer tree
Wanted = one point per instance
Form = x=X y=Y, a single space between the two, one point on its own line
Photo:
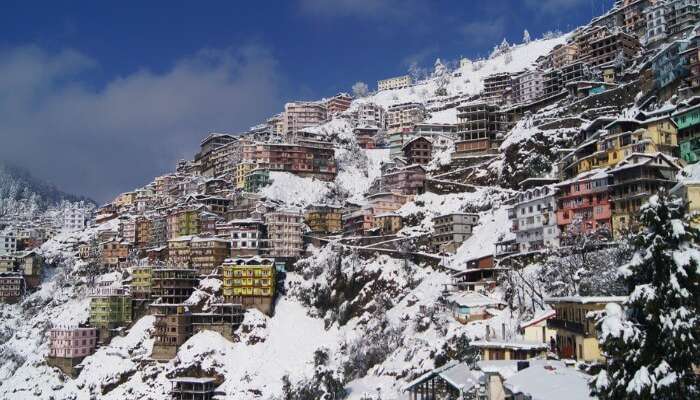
x=651 y=346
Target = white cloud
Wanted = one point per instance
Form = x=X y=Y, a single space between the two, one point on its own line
x=98 y=141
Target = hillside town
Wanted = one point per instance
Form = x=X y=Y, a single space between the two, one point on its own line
x=453 y=236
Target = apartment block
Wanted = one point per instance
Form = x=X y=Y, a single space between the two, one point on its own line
x=115 y=252
x=398 y=82
x=247 y=236
x=599 y=45
x=11 y=287
x=496 y=88
x=451 y=230
x=358 y=223
x=418 y=151
x=303 y=114
x=324 y=219
x=242 y=169
x=110 y=308
x=401 y=122
x=172 y=328
x=388 y=223
x=583 y=205
x=141 y=281
x=74 y=219
x=191 y=388
x=480 y=127
x=8 y=242
x=284 y=234
x=409 y=180
x=535 y=219
x=250 y=282
x=369 y=114
x=68 y=346
x=687 y=120
x=528 y=86
x=564 y=54
x=309 y=160
x=256 y=179
x=207 y=253
x=207 y=156
x=338 y=103
x=366 y=137
x=180 y=251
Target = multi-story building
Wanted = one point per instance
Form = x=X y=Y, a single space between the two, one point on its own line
x=528 y=86
x=142 y=231
x=366 y=137
x=564 y=54
x=599 y=45
x=184 y=222
x=256 y=179
x=385 y=202
x=276 y=124
x=204 y=158
x=247 y=236
x=480 y=127
x=401 y=122
x=8 y=242
x=583 y=205
x=303 y=114
x=74 y=219
x=8 y=263
x=68 y=346
x=30 y=264
x=324 y=219
x=358 y=223
x=242 y=169
x=180 y=251
x=369 y=115
x=635 y=179
x=223 y=318
x=575 y=327
x=309 y=160
x=687 y=120
x=496 y=87
x=451 y=230
x=398 y=82
x=141 y=281
x=11 y=287
x=418 y=150
x=115 y=252
x=159 y=231
x=173 y=285
x=551 y=82
x=284 y=234
x=110 y=308
x=172 y=328
x=207 y=253
x=250 y=282
x=388 y=223
x=670 y=19
x=408 y=180
x=338 y=103
x=535 y=219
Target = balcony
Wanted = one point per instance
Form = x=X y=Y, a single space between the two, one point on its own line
x=575 y=327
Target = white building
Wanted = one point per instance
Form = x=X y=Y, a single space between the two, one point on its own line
x=284 y=233
x=397 y=82
x=370 y=114
x=8 y=242
x=528 y=86
x=535 y=219
x=73 y=219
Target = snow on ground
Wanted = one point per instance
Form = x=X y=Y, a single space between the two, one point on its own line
x=472 y=75
x=448 y=116
x=358 y=171
x=493 y=224
x=295 y=190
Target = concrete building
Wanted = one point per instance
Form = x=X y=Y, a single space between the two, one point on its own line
x=141 y=281
x=247 y=237
x=303 y=114
x=358 y=223
x=496 y=87
x=576 y=332
x=528 y=86
x=11 y=287
x=366 y=137
x=242 y=170
x=401 y=122
x=418 y=150
x=205 y=158
x=388 y=223
x=598 y=45
x=409 y=180
x=192 y=388
x=250 y=282
x=312 y=159
x=451 y=230
x=74 y=219
x=284 y=234
x=68 y=346
x=687 y=120
x=8 y=242
x=480 y=127
x=173 y=285
x=180 y=251
x=535 y=219
x=172 y=328
x=110 y=308
x=397 y=82
x=369 y=114
x=583 y=204
x=324 y=219
x=564 y=54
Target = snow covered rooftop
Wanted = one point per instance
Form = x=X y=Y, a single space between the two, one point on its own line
x=550 y=380
x=509 y=344
x=586 y=299
x=473 y=299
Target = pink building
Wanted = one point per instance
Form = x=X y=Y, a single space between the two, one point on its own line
x=72 y=342
x=583 y=206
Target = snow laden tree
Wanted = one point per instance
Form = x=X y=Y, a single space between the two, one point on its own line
x=650 y=348
x=526 y=37
x=442 y=78
x=360 y=89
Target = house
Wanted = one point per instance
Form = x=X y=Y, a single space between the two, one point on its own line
x=689 y=191
x=583 y=204
x=576 y=332
x=207 y=147
x=480 y=274
x=115 y=252
x=207 y=253
x=284 y=233
x=451 y=230
x=385 y=202
x=501 y=349
x=30 y=263
x=454 y=380
x=409 y=180
x=388 y=223
x=418 y=150
x=191 y=388
x=324 y=219
x=68 y=346
x=536 y=330
x=366 y=136
x=397 y=82
x=173 y=285
x=535 y=219
x=358 y=222
x=635 y=179
x=472 y=306
x=250 y=282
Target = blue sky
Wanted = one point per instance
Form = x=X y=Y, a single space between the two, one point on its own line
x=95 y=84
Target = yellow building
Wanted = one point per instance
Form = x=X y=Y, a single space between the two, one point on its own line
x=388 y=223
x=576 y=332
x=242 y=170
x=250 y=282
x=125 y=199
x=536 y=329
x=498 y=349
x=324 y=219
x=141 y=277
x=689 y=191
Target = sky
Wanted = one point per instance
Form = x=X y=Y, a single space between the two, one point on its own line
x=100 y=97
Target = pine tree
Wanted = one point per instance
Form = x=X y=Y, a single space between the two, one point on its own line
x=650 y=348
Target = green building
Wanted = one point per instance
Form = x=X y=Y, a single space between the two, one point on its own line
x=688 y=122
x=110 y=308
x=256 y=179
